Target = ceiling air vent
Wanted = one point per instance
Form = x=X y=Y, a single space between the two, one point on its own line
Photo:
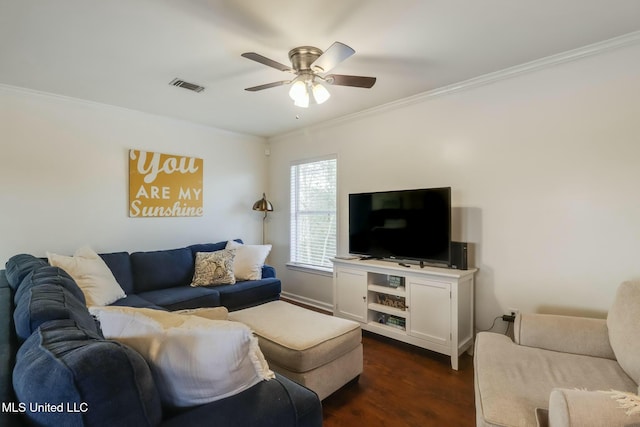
x=186 y=85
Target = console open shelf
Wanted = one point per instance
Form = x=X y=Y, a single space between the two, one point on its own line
x=387 y=310
x=400 y=291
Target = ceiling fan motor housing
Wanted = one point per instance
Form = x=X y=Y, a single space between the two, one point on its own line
x=302 y=57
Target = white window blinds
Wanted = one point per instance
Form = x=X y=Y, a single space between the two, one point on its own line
x=313 y=213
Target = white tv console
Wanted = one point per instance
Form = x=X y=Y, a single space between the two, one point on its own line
x=428 y=307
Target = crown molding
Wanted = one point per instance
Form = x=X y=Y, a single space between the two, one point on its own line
x=115 y=108
x=507 y=73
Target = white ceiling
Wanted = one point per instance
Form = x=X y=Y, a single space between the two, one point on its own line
x=125 y=52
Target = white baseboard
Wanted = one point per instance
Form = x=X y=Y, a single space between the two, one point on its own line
x=307 y=301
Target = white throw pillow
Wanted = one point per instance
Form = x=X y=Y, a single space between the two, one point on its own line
x=194 y=360
x=91 y=274
x=249 y=260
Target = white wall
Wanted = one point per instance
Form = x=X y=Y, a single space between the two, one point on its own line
x=545 y=173
x=64 y=177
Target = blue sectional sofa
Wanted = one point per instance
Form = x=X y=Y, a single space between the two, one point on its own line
x=160 y=279
x=53 y=353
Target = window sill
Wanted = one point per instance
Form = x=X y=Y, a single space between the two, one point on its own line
x=322 y=271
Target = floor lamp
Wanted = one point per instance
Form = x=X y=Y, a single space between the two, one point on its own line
x=263 y=205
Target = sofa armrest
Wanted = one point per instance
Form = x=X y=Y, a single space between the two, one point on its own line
x=567 y=334
x=569 y=408
x=268 y=271
x=8 y=348
x=276 y=402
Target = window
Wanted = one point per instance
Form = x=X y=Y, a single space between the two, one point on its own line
x=313 y=213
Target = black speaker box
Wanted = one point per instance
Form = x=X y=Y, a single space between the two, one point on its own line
x=460 y=255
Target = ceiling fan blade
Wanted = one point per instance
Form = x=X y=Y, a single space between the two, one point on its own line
x=331 y=57
x=266 y=61
x=357 y=81
x=268 y=85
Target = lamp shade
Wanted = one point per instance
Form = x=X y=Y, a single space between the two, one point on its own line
x=320 y=93
x=298 y=89
x=302 y=100
x=263 y=205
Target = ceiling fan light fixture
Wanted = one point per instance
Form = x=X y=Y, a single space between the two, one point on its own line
x=298 y=90
x=302 y=100
x=320 y=93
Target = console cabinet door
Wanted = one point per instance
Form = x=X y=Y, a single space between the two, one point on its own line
x=351 y=294
x=430 y=310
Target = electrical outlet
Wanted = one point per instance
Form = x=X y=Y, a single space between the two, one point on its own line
x=511 y=315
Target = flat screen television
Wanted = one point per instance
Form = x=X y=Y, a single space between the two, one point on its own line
x=402 y=225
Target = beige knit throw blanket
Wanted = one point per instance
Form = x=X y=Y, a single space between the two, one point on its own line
x=628 y=401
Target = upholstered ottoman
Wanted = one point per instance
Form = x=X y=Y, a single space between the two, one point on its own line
x=319 y=351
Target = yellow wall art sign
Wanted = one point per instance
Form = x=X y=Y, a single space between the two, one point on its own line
x=164 y=185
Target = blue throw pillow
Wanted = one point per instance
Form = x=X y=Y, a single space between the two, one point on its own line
x=18 y=266
x=94 y=382
x=49 y=275
x=49 y=302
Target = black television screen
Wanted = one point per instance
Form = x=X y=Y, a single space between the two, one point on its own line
x=406 y=224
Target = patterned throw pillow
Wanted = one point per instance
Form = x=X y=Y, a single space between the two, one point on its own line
x=214 y=268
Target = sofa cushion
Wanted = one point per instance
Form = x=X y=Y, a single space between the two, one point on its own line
x=194 y=360
x=209 y=247
x=623 y=320
x=49 y=275
x=64 y=364
x=91 y=274
x=49 y=302
x=182 y=297
x=249 y=293
x=137 y=301
x=214 y=268
x=278 y=402
x=268 y=272
x=162 y=269
x=512 y=380
x=120 y=265
x=18 y=266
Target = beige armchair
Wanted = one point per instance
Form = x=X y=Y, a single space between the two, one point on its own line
x=562 y=370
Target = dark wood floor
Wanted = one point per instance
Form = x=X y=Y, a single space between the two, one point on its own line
x=403 y=385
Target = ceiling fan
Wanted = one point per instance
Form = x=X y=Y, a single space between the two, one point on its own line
x=310 y=66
